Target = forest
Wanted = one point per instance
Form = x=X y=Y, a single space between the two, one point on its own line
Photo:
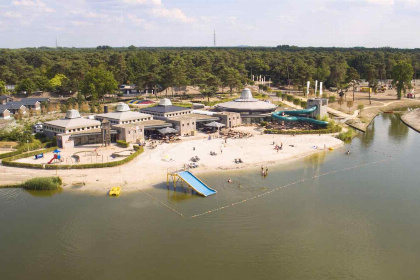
x=66 y=70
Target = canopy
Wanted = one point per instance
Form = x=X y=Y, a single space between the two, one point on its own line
x=56 y=151
x=167 y=130
x=215 y=124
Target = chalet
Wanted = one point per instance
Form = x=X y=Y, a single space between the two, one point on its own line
x=4 y=112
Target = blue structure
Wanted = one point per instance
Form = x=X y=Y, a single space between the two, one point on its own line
x=298 y=115
x=192 y=181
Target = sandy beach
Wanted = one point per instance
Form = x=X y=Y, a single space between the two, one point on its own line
x=150 y=168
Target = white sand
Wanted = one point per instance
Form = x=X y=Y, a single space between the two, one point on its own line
x=149 y=168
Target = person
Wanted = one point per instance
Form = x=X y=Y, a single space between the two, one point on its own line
x=193 y=148
x=266 y=171
x=230 y=181
x=348 y=152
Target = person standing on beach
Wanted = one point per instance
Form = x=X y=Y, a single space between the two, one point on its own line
x=266 y=171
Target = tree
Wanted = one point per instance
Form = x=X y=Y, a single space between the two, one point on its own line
x=209 y=85
x=2 y=87
x=278 y=94
x=26 y=85
x=360 y=107
x=353 y=77
x=349 y=104
x=57 y=81
x=340 y=101
x=97 y=83
x=402 y=74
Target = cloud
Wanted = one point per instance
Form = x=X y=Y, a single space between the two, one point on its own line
x=135 y=20
x=33 y=4
x=11 y=14
x=144 y=2
x=171 y=14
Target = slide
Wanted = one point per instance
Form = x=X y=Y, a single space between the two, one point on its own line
x=196 y=183
x=51 y=160
x=298 y=115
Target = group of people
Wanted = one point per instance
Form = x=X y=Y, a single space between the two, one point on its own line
x=277 y=147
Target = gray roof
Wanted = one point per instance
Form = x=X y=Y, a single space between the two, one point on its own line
x=4 y=97
x=165 y=109
x=34 y=99
x=3 y=108
x=14 y=105
x=29 y=101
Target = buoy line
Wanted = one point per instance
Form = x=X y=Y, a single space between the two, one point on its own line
x=164 y=204
x=287 y=185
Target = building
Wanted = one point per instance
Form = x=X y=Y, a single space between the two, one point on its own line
x=4 y=112
x=321 y=107
x=31 y=103
x=165 y=110
x=72 y=124
x=123 y=115
x=4 y=99
x=15 y=107
x=251 y=110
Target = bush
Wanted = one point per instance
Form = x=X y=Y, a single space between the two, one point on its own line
x=43 y=183
x=347 y=136
x=324 y=95
x=263 y=123
x=331 y=99
x=283 y=96
x=329 y=130
x=296 y=101
x=290 y=98
x=122 y=144
x=303 y=104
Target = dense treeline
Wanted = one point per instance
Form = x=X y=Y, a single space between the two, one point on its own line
x=65 y=70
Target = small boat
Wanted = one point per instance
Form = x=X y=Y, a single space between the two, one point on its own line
x=115 y=191
x=331 y=148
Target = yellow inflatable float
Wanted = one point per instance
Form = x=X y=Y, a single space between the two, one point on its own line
x=115 y=191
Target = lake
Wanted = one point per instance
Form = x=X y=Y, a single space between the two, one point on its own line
x=329 y=216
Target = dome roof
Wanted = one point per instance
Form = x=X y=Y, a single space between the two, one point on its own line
x=122 y=107
x=246 y=96
x=72 y=114
x=165 y=102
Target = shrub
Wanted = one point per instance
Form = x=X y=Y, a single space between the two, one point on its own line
x=347 y=136
x=296 y=101
x=329 y=130
x=290 y=98
x=303 y=104
x=263 y=123
x=122 y=144
x=43 y=183
x=283 y=96
x=331 y=99
x=324 y=95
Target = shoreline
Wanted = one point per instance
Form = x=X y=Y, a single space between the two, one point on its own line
x=412 y=119
x=150 y=168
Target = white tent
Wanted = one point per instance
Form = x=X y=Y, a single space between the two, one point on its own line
x=215 y=124
x=167 y=130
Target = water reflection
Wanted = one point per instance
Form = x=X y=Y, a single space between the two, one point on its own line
x=367 y=137
x=44 y=193
x=397 y=130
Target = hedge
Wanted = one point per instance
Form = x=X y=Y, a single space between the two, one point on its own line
x=290 y=98
x=22 y=150
x=303 y=104
x=122 y=144
x=296 y=101
x=331 y=99
x=312 y=131
x=10 y=161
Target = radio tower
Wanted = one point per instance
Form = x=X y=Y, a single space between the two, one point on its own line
x=214 y=38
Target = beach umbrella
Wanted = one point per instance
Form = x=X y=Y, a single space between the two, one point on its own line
x=167 y=130
x=215 y=124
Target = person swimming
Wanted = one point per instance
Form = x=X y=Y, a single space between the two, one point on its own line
x=348 y=152
x=230 y=180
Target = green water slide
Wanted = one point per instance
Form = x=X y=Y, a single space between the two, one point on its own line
x=298 y=115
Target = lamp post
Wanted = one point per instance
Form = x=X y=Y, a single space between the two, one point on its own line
x=27 y=144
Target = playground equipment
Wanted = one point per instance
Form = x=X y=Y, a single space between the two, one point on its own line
x=298 y=115
x=57 y=156
x=192 y=181
x=115 y=191
x=38 y=156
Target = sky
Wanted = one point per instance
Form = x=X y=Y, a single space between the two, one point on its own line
x=161 y=23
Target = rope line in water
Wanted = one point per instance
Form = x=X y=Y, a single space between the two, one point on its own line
x=287 y=185
x=164 y=204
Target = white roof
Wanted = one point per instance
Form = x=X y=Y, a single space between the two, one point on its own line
x=72 y=114
x=202 y=112
x=124 y=115
x=69 y=123
x=122 y=107
x=246 y=103
x=165 y=102
x=246 y=96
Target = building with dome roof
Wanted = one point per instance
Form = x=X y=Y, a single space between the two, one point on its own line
x=250 y=108
x=165 y=109
x=123 y=115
